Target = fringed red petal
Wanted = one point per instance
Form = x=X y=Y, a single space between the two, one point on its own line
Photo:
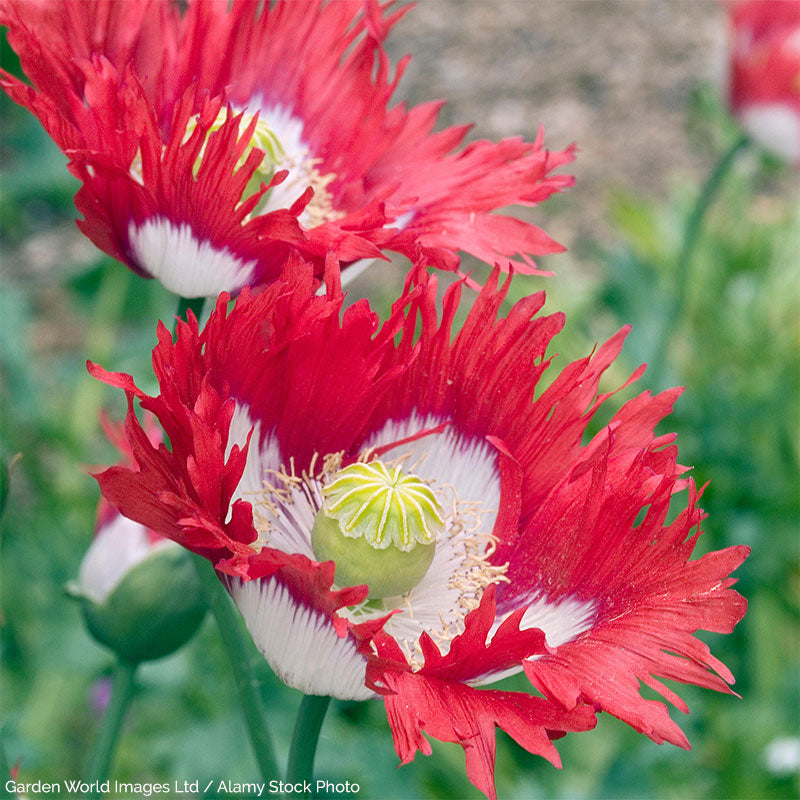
x=112 y=87
x=453 y=712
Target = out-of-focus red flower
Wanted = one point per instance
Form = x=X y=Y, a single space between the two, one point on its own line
x=552 y=556
x=211 y=143
x=765 y=72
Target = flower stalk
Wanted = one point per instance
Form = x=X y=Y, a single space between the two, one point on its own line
x=691 y=236
x=194 y=303
x=303 y=748
x=240 y=655
x=106 y=744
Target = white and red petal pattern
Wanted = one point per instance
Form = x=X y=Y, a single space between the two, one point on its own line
x=765 y=72
x=556 y=557
x=136 y=94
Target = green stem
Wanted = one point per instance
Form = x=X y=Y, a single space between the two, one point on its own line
x=239 y=654
x=100 y=762
x=691 y=236
x=305 y=737
x=195 y=303
x=5 y=774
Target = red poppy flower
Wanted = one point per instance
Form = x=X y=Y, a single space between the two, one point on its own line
x=765 y=73
x=212 y=143
x=474 y=535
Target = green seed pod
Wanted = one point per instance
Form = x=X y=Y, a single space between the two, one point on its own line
x=379 y=526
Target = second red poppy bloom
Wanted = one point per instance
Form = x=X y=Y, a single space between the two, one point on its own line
x=396 y=515
x=211 y=143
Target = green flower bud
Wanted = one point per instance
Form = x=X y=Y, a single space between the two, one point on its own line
x=141 y=598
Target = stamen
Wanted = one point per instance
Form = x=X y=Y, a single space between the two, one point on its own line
x=452 y=587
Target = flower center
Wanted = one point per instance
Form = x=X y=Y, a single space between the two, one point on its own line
x=288 y=504
x=263 y=137
x=279 y=136
x=379 y=526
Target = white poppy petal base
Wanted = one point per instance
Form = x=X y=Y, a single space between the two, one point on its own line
x=185 y=265
x=299 y=643
x=775 y=126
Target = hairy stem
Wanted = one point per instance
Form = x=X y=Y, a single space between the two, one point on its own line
x=106 y=744
x=240 y=655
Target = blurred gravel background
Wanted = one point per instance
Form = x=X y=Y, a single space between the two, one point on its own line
x=614 y=76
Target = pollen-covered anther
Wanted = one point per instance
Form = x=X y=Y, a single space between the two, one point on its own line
x=289 y=504
x=304 y=172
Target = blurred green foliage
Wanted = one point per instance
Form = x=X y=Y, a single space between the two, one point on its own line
x=734 y=346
